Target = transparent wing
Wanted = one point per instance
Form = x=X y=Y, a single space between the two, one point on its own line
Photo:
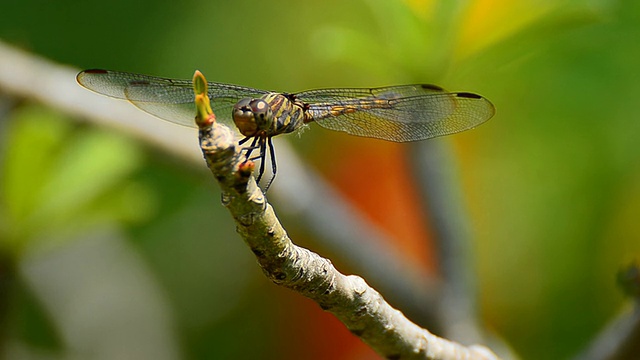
x=397 y=113
x=168 y=99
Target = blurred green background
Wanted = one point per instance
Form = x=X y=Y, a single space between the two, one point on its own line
x=102 y=253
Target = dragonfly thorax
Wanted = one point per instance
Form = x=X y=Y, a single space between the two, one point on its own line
x=252 y=116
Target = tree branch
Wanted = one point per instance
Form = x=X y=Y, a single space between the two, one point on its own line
x=619 y=340
x=360 y=308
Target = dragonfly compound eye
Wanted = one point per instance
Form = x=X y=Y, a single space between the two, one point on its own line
x=261 y=111
x=251 y=116
x=244 y=118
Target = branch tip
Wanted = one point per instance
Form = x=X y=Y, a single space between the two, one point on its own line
x=204 y=114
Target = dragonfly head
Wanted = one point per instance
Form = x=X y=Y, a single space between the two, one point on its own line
x=251 y=116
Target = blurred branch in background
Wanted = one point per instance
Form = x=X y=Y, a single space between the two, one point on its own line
x=435 y=175
x=620 y=339
x=30 y=77
x=434 y=168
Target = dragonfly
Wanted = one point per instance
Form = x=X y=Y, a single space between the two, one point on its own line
x=400 y=113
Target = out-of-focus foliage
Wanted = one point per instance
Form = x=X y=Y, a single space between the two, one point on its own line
x=552 y=182
x=59 y=180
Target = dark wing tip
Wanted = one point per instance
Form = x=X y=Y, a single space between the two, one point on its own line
x=95 y=71
x=92 y=71
x=490 y=107
x=431 y=87
x=468 y=95
x=82 y=73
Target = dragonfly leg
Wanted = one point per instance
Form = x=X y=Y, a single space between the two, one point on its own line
x=262 y=157
x=274 y=167
x=246 y=138
x=250 y=148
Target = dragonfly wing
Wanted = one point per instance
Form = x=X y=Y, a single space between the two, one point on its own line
x=168 y=99
x=397 y=113
x=174 y=104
